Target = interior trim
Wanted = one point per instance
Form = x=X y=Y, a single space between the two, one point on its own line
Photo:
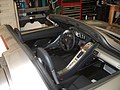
x=108 y=58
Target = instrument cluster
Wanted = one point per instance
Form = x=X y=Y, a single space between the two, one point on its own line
x=80 y=35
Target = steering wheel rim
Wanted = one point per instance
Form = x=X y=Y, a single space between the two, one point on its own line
x=67 y=40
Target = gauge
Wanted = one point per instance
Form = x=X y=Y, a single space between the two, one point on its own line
x=80 y=35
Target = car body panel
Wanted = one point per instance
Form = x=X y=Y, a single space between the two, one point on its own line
x=4 y=85
x=113 y=84
x=24 y=74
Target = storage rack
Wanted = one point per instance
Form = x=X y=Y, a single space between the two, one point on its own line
x=72 y=9
x=84 y=9
x=38 y=10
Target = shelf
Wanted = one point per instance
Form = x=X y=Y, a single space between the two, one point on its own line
x=71 y=12
x=85 y=2
x=37 y=16
x=34 y=12
x=27 y=10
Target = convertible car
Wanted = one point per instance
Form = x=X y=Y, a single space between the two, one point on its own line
x=67 y=55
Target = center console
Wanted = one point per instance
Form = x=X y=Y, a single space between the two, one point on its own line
x=78 y=58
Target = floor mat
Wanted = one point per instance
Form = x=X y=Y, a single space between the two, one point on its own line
x=93 y=72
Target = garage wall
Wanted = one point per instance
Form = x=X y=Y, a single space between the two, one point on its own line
x=8 y=13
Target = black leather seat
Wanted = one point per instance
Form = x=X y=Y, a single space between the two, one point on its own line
x=74 y=82
x=44 y=57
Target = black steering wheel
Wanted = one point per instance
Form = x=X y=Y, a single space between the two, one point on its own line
x=67 y=40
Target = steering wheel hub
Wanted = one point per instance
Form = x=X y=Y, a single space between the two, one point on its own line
x=67 y=40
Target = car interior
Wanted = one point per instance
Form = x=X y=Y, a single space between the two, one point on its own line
x=71 y=56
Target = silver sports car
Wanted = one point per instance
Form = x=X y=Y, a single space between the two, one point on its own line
x=67 y=55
